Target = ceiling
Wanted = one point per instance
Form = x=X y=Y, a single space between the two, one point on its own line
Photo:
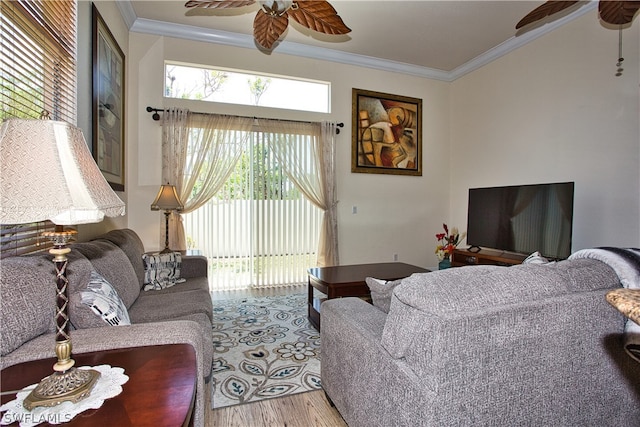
x=436 y=39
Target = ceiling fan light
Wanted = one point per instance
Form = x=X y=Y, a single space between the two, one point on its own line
x=273 y=7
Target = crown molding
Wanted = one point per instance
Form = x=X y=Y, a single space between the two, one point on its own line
x=188 y=32
x=127 y=12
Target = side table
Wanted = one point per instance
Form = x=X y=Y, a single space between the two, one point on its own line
x=160 y=391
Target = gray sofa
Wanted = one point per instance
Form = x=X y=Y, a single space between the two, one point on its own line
x=531 y=345
x=178 y=314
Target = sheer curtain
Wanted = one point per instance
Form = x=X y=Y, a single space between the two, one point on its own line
x=199 y=151
x=306 y=152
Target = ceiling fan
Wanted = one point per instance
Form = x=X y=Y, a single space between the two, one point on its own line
x=272 y=19
x=617 y=13
x=611 y=12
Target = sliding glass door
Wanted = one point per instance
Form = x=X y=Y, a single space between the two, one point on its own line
x=258 y=230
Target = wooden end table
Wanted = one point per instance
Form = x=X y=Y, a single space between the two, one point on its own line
x=349 y=281
x=160 y=392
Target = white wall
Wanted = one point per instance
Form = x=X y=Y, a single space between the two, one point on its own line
x=396 y=214
x=554 y=111
x=550 y=111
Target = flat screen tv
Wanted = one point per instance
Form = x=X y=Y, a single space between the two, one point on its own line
x=522 y=218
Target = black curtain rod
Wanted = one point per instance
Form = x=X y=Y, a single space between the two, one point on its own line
x=156 y=116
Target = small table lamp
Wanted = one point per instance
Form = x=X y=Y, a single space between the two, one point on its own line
x=168 y=200
x=48 y=174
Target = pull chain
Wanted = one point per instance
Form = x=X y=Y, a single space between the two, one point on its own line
x=620 y=58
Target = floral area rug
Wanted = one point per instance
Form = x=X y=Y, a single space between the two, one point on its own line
x=263 y=347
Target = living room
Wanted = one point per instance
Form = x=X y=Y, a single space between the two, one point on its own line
x=549 y=111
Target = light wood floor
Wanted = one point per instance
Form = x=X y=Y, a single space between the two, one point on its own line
x=310 y=409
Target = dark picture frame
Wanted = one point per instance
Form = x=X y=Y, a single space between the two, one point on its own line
x=108 y=103
x=386 y=133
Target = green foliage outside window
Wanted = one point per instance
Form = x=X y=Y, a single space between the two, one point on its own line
x=258 y=176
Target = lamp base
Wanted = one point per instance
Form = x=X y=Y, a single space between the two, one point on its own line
x=72 y=385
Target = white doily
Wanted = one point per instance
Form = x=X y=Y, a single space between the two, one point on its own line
x=108 y=385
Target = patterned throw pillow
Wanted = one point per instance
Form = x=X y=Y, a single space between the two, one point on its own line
x=104 y=301
x=161 y=270
x=381 y=291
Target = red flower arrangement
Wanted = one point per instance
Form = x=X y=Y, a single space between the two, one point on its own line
x=447 y=242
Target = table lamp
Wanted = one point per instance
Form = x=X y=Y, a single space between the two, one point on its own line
x=168 y=200
x=48 y=173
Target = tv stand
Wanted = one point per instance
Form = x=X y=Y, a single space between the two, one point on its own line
x=472 y=256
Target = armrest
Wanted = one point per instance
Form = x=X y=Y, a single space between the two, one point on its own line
x=193 y=266
x=111 y=337
x=366 y=384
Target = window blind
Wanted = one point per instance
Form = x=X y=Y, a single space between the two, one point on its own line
x=37 y=72
x=38 y=59
x=24 y=238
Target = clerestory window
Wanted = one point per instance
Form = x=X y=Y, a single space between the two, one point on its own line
x=188 y=81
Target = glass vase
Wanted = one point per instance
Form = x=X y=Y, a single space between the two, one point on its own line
x=444 y=264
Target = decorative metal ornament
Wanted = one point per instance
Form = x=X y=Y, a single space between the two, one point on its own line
x=272 y=19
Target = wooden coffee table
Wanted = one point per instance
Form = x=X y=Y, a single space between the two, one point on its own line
x=349 y=281
x=160 y=391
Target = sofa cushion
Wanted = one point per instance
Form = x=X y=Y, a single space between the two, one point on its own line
x=381 y=291
x=104 y=301
x=131 y=245
x=113 y=264
x=27 y=300
x=193 y=284
x=161 y=270
x=154 y=306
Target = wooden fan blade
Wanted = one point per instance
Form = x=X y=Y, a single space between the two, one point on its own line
x=618 y=12
x=267 y=28
x=547 y=9
x=318 y=16
x=222 y=4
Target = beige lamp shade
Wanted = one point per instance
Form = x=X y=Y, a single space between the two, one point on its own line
x=47 y=172
x=167 y=199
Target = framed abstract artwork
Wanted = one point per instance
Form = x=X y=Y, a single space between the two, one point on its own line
x=108 y=103
x=386 y=133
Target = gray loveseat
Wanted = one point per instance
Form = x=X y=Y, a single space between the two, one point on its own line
x=178 y=314
x=531 y=345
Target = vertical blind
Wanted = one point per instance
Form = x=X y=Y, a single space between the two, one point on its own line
x=259 y=230
x=37 y=73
